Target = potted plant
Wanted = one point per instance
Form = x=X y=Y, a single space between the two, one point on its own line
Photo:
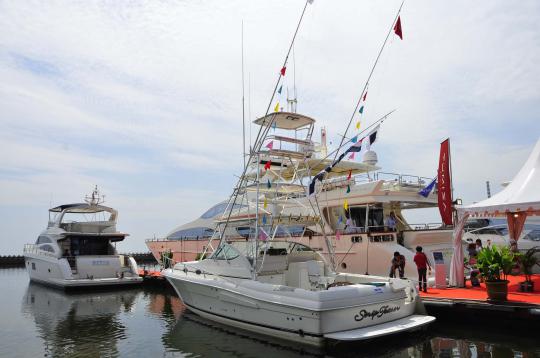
x=527 y=261
x=494 y=264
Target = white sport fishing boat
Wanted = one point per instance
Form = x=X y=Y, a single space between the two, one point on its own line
x=286 y=290
x=76 y=249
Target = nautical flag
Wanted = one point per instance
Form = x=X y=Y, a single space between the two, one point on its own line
x=358 y=125
x=265 y=203
x=276 y=108
x=425 y=192
x=283 y=69
x=338 y=235
x=262 y=235
x=362 y=108
x=348 y=222
x=268 y=184
x=354 y=139
x=355 y=148
x=397 y=28
x=264 y=219
x=346 y=205
x=372 y=137
x=270 y=145
x=267 y=165
x=340 y=219
x=280 y=88
x=365 y=95
x=351 y=157
x=350 y=175
x=274 y=125
x=348 y=189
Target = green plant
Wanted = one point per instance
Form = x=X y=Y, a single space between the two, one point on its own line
x=528 y=260
x=495 y=263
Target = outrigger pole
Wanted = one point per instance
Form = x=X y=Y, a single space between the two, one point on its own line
x=263 y=130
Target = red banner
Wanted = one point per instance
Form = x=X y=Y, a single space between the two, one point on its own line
x=444 y=185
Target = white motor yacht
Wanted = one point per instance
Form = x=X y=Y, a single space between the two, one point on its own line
x=76 y=249
x=287 y=290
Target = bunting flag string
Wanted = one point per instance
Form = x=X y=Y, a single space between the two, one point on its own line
x=351 y=157
x=365 y=96
x=348 y=188
x=338 y=235
x=263 y=236
x=361 y=110
x=354 y=139
x=358 y=125
x=270 y=145
x=267 y=165
x=268 y=184
x=350 y=175
x=355 y=148
x=264 y=219
x=340 y=219
x=346 y=205
x=265 y=203
x=283 y=69
x=280 y=88
x=276 y=108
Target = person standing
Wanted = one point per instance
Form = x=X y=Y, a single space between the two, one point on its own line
x=422 y=263
x=390 y=222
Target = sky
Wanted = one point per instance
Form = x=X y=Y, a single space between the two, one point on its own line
x=144 y=98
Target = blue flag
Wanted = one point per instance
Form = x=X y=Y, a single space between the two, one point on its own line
x=280 y=88
x=425 y=192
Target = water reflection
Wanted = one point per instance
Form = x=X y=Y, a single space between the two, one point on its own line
x=154 y=322
x=84 y=323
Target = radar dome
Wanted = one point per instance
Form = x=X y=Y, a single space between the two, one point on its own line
x=370 y=157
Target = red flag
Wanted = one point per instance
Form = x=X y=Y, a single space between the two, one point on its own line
x=365 y=95
x=444 y=186
x=350 y=174
x=283 y=69
x=267 y=165
x=397 y=28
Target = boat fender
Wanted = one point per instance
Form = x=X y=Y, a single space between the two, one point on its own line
x=198 y=272
x=301 y=332
x=185 y=269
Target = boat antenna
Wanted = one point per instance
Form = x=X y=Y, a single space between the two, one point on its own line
x=243 y=103
x=369 y=78
x=261 y=134
x=95 y=198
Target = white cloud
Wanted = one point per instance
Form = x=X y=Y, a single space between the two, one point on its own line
x=132 y=95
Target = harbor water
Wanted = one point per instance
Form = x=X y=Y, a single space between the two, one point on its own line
x=38 y=321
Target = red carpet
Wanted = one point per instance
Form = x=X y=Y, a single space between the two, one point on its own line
x=479 y=293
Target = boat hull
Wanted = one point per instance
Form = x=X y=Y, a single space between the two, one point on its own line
x=284 y=314
x=56 y=273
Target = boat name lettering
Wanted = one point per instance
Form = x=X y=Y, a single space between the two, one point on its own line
x=100 y=263
x=375 y=313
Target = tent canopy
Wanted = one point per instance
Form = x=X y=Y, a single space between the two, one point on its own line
x=521 y=195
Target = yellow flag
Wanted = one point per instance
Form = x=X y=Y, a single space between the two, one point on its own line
x=276 y=108
x=346 y=205
x=358 y=125
x=265 y=203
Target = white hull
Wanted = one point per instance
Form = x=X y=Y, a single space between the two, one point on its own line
x=341 y=313
x=57 y=273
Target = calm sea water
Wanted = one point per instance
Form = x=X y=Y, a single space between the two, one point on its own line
x=37 y=321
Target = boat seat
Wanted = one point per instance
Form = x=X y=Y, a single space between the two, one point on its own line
x=272 y=264
x=307 y=275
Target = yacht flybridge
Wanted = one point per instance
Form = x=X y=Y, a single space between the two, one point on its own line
x=256 y=281
x=76 y=249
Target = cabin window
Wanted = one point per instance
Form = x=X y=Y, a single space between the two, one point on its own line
x=47 y=248
x=43 y=240
x=33 y=265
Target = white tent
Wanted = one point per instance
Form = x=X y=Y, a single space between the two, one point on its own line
x=521 y=198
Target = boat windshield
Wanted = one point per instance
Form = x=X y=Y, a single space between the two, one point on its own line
x=229 y=251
